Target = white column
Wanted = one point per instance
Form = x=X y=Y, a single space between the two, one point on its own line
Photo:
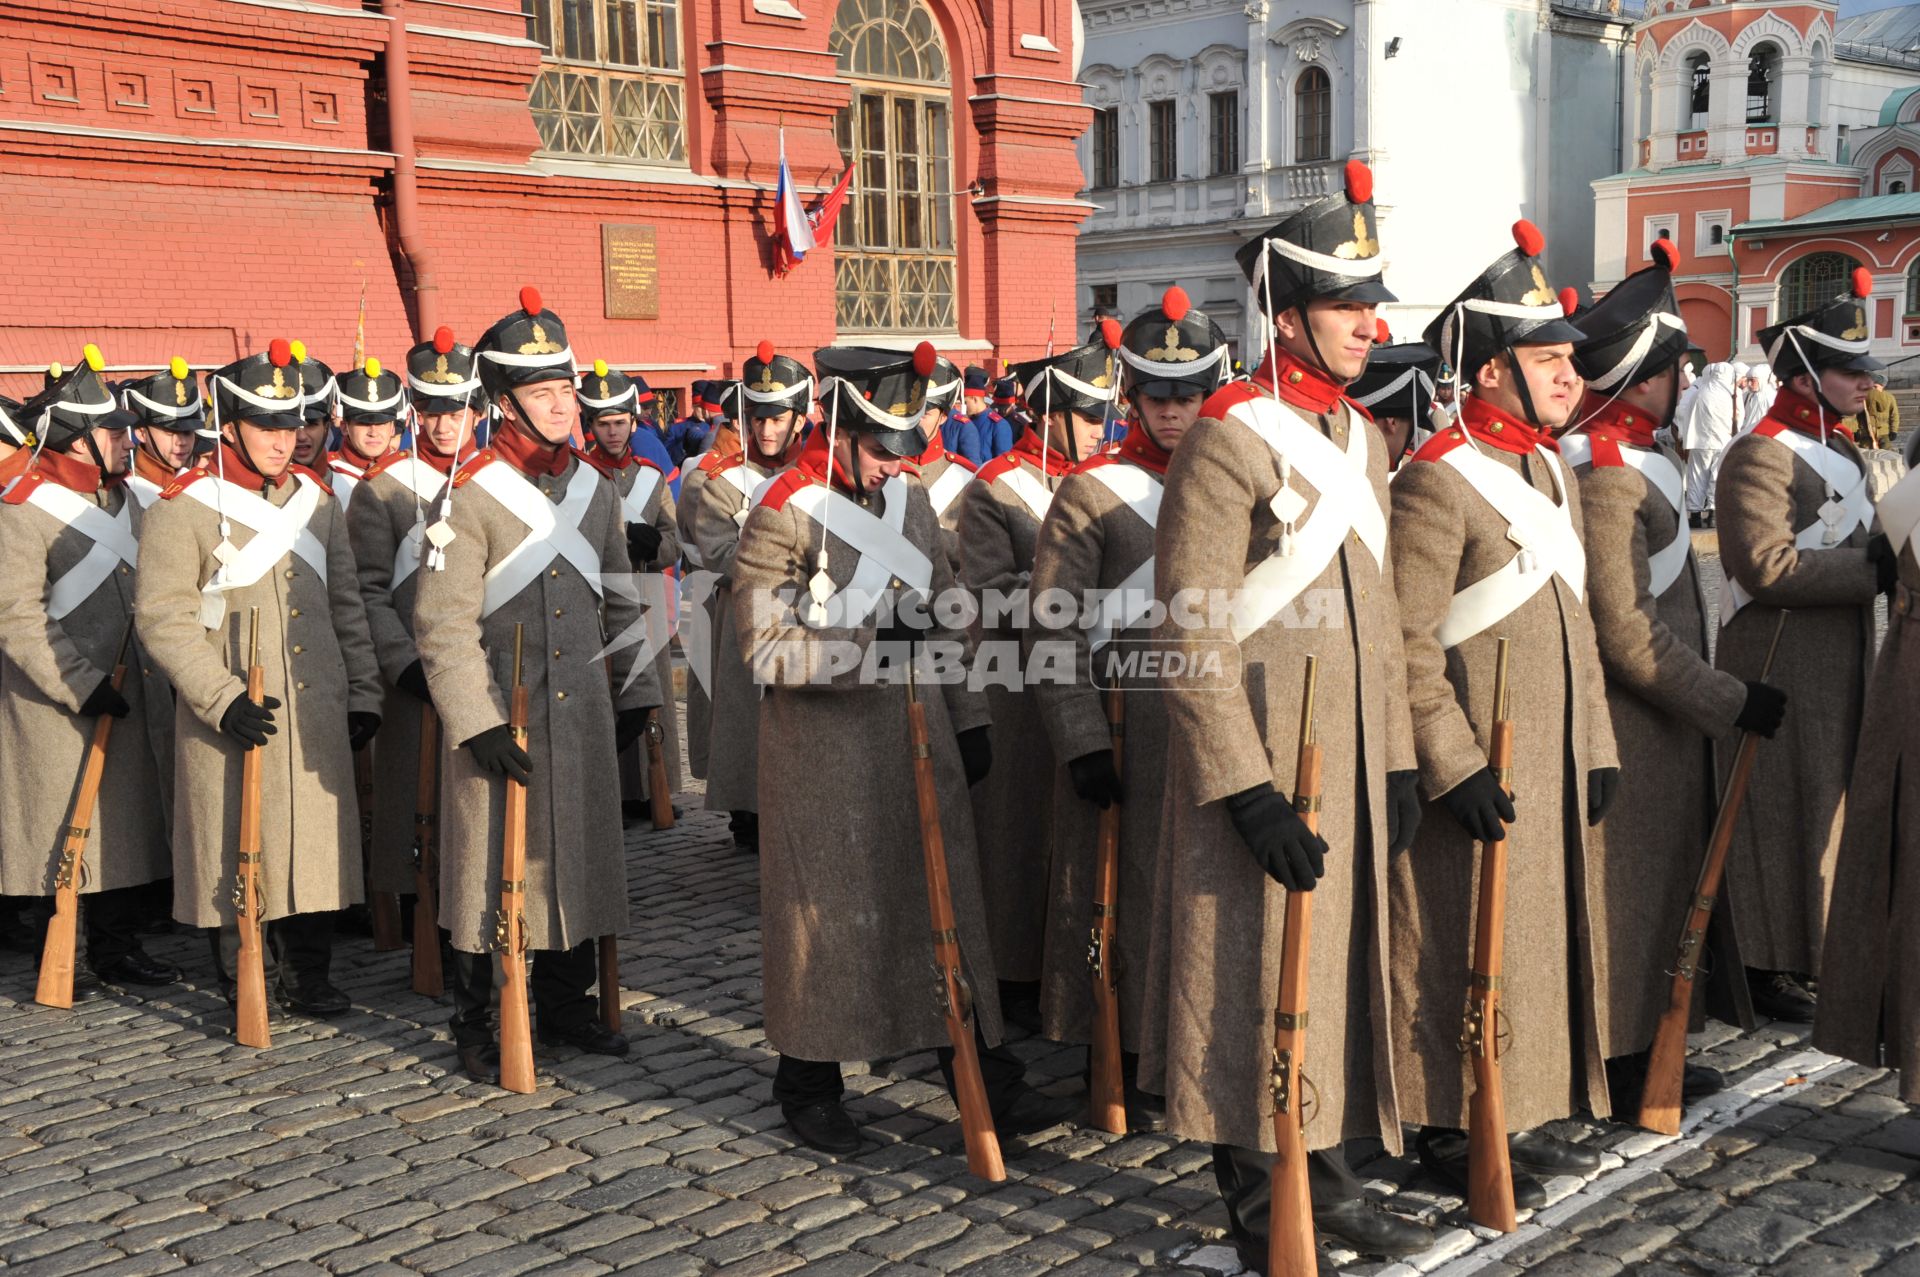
x=1791 y=92
x=1258 y=159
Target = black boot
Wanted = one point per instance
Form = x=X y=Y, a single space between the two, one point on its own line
x=823 y=1125
x=139 y=968
x=1361 y=1225
x=1778 y=996
x=1544 y=1156
x=1443 y=1155
x=590 y=1036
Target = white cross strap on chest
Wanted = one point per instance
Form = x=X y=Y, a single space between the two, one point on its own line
x=1848 y=506
x=344 y=482
x=1541 y=529
x=1666 y=564
x=885 y=552
x=277 y=532
x=1033 y=494
x=143 y=490
x=1122 y=607
x=645 y=484
x=945 y=490
x=113 y=544
x=553 y=531
x=426 y=484
x=1346 y=504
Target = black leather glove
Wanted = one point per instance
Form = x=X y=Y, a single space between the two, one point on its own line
x=976 y=753
x=628 y=724
x=1602 y=784
x=643 y=544
x=1290 y=853
x=413 y=681
x=361 y=725
x=105 y=699
x=495 y=753
x=1403 y=810
x=1885 y=560
x=1095 y=779
x=1480 y=805
x=1766 y=706
x=248 y=723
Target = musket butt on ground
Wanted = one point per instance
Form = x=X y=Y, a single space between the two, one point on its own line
x=55 y=988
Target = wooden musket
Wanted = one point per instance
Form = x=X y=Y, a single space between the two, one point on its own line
x=510 y=924
x=249 y=901
x=1290 y=1237
x=1489 y=1170
x=1108 y=1089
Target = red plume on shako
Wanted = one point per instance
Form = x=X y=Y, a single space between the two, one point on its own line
x=1382 y=335
x=1527 y=237
x=279 y=353
x=765 y=351
x=1862 y=282
x=530 y=300
x=1569 y=300
x=1359 y=182
x=1174 y=304
x=925 y=357
x=1110 y=332
x=1665 y=255
x=442 y=339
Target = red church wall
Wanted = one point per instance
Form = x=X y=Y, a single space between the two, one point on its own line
x=1709 y=317
x=219 y=229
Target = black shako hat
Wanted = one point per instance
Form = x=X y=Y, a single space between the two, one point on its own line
x=168 y=400
x=1079 y=380
x=1330 y=248
x=1508 y=304
x=880 y=393
x=1172 y=350
x=772 y=383
x=263 y=389
x=1398 y=380
x=72 y=404
x=371 y=395
x=1635 y=331
x=11 y=431
x=605 y=391
x=1833 y=335
x=945 y=385
x=524 y=348
x=444 y=376
x=318 y=387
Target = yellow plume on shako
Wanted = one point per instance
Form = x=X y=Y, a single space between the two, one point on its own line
x=298 y=349
x=599 y=367
x=91 y=353
x=178 y=367
x=372 y=368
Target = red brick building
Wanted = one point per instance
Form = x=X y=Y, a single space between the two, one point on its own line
x=195 y=177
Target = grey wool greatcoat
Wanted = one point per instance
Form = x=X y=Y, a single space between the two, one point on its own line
x=659 y=513
x=1218 y=928
x=699 y=694
x=1871 y=1002
x=940 y=474
x=319 y=663
x=576 y=879
x=384 y=514
x=48 y=668
x=846 y=951
x=733 y=748
x=1668 y=706
x=1447 y=537
x=1780 y=872
x=1091 y=541
x=1012 y=807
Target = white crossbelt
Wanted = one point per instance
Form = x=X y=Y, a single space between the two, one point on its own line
x=885 y=552
x=645 y=484
x=277 y=532
x=1346 y=504
x=344 y=482
x=1839 y=515
x=1033 y=494
x=112 y=537
x=1122 y=607
x=426 y=484
x=553 y=531
x=143 y=490
x=1542 y=532
x=945 y=490
x=1666 y=564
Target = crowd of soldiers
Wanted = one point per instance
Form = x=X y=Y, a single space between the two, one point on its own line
x=1338 y=503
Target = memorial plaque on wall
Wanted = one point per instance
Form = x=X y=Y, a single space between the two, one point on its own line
x=630 y=259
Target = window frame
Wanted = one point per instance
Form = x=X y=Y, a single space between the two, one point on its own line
x=1322 y=116
x=1223 y=161
x=1163 y=145
x=559 y=96
x=1819 y=290
x=1769 y=106
x=1103 y=146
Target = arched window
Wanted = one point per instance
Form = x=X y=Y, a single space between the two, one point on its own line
x=1698 y=87
x=611 y=84
x=1312 y=117
x=1763 y=78
x=1646 y=101
x=1896 y=188
x=1813 y=281
x=894 y=266
x=1913 y=288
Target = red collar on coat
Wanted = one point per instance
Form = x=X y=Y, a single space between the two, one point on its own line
x=72 y=473
x=529 y=456
x=151 y=468
x=1052 y=462
x=1797 y=412
x=350 y=457
x=1623 y=424
x=443 y=462
x=1299 y=384
x=1497 y=429
x=1138 y=447
x=240 y=472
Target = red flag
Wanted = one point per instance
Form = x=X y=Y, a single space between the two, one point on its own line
x=827 y=208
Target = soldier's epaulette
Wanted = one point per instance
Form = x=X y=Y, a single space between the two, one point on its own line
x=648 y=462
x=598 y=460
x=1228 y=397
x=710 y=462
x=1440 y=445
x=319 y=477
x=1771 y=427
x=1095 y=462
x=1605 y=451
x=479 y=461
x=183 y=481
x=959 y=460
x=20 y=489
x=783 y=487
x=727 y=463
x=1002 y=464
x=1354 y=405
x=673 y=474
x=387 y=462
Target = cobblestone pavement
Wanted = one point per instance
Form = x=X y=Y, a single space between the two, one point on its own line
x=136 y=1138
